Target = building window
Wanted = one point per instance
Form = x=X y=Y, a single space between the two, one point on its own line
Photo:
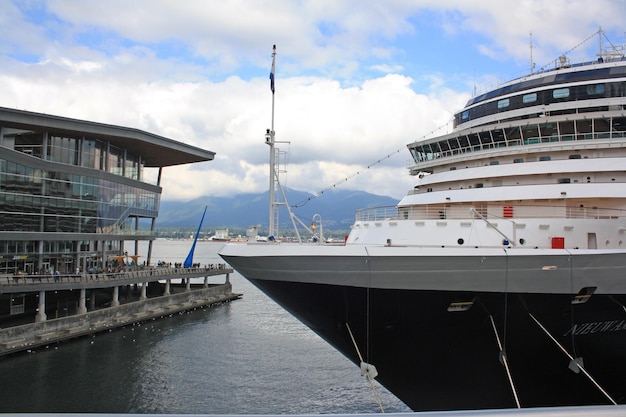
x=63 y=149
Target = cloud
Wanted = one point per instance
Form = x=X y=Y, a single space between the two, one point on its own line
x=356 y=80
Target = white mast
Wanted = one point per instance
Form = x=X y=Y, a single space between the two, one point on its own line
x=269 y=139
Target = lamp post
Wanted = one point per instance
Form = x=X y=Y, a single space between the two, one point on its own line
x=314 y=226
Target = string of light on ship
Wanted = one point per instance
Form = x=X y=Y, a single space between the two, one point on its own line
x=305 y=201
x=348 y=178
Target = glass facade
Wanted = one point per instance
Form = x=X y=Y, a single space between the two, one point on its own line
x=35 y=200
x=67 y=201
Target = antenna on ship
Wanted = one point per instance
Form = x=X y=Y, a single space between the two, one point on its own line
x=614 y=52
x=532 y=64
x=270 y=139
x=601 y=50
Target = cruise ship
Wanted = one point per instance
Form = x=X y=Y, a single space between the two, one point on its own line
x=499 y=280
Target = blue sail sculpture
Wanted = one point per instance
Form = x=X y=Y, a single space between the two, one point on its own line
x=189 y=260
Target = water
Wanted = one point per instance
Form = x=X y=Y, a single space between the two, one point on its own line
x=243 y=357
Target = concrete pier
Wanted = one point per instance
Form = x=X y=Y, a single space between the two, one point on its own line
x=41 y=311
x=82 y=306
x=22 y=334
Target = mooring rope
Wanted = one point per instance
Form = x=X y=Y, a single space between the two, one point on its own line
x=505 y=362
x=572 y=359
x=367 y=375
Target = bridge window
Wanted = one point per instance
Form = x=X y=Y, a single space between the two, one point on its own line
x=474 y=140
x=530 y=134
x=619 y=124
x=498 y=137
x=566 y=129
x=485 y=138
x=601 y=126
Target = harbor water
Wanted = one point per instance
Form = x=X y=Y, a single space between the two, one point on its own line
x=244 y=357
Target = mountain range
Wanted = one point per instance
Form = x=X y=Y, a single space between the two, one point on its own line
x=336 y=208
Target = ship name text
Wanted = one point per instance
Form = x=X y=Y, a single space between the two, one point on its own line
x=597 y=327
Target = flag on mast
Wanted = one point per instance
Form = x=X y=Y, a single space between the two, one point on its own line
x=273 y=70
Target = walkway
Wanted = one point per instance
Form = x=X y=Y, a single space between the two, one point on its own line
x=27 y=283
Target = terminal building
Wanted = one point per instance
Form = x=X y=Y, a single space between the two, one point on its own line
x=73 y=191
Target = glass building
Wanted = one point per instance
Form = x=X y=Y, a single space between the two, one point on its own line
x=72 y=191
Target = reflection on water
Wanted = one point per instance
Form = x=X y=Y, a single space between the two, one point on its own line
x=248 y=356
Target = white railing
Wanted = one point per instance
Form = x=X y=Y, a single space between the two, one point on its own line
x=460 y=212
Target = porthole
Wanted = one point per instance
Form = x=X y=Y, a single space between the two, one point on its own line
x=522 y=241
x=460 y=241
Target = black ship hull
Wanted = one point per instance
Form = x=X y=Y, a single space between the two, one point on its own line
x=440 y=350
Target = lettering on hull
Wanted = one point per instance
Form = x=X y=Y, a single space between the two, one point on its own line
x=597 y=327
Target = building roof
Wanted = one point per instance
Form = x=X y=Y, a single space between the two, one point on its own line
x=155 y=151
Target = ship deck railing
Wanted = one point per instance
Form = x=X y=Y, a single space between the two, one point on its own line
x=138 y=274
x=492 y=212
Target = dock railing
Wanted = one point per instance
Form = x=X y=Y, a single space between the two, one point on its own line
x=145 y=273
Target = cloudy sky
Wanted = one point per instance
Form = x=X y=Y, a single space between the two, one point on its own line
x=356 y=80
